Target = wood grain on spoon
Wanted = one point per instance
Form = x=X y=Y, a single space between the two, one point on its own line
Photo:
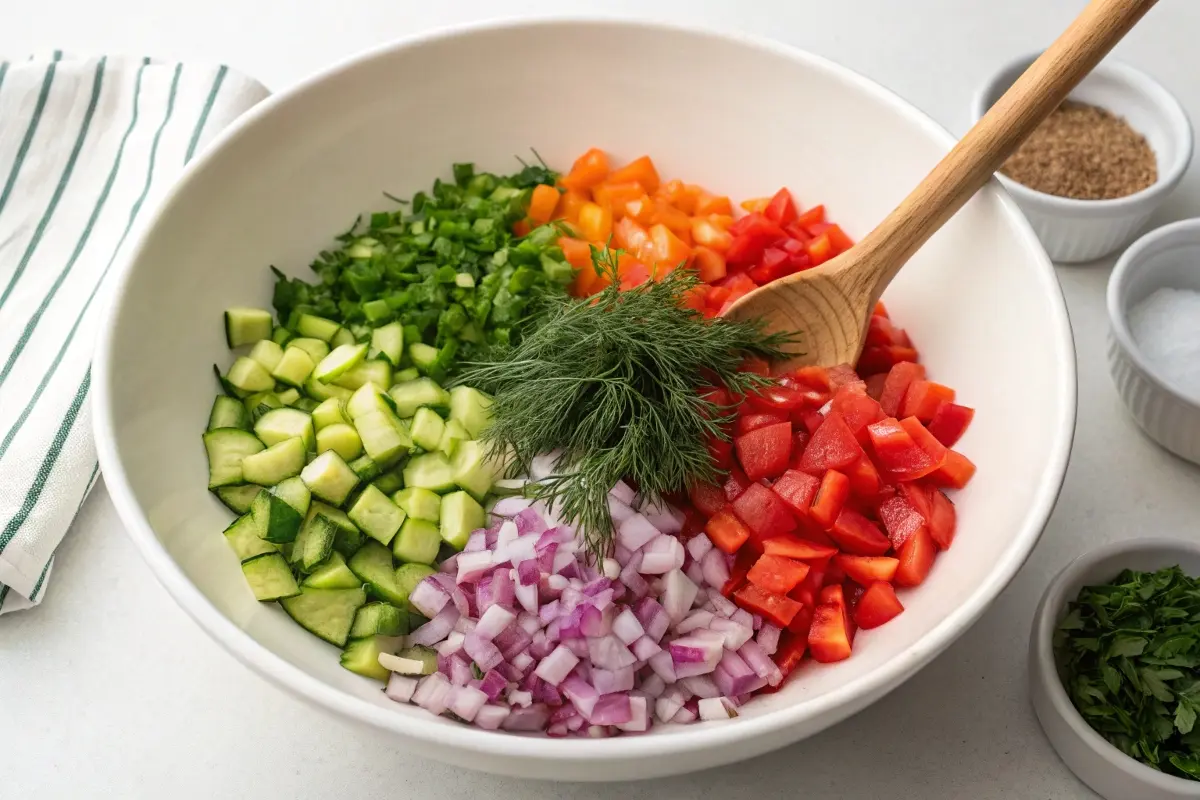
x=830 y=305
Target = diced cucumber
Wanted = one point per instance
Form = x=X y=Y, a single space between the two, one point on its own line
x=243 y=537
x=281 y=460
x=294 y=368
x=405 y=375
x=471 y=408
x=382 y=619
x=461 y=515
x=362 y=656
x=429 y=471
x=365 y=468
x=246 y=325
x=349 y=537
x=383 y=436
x=423 y=356
x=327 y=613
x=419 y=503
x=388 y=341
x=474 y=469
x=306 y=404
x=373 y=563
x=249 y=376
x=227 y=450
x=237 y=498
x=315 y=348
x=325 y=391
x=280 y=424
x=227 y=387
x=342 y=439
x=366 y=399
x=228 y=412
x=277 y=521
x=329 y=412
x=289 y=396
x=425 y=656
x=269 y=577
x=451 y=436
x=343 y=336
x=427 y=429
x=314 y=543
x=281 y=336
x=390 y=482
x=376 y=371
x=422 y=392
x=260 y=399
x=418 y=541
x=409 y=575
x=376 y=516
x=267 y=353
x=329 y=478
x=293 y=492
x=339 y=361
x=332 y=573
x=316 y=327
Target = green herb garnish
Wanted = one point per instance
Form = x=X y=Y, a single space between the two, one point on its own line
x=1129 y=656
x=614 y=382
x=446 y=265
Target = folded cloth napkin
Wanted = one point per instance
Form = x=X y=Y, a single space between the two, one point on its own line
x=86 y=145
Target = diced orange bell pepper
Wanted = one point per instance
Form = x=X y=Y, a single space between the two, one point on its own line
x=812 y=216
x=641 y=170
x=693 y=298
x=710 y=265
x=706 y=233
x=667 y=214
x=669 y=250
x=682 y=196
x=595 y=222
x=588 y=170
x=569 y=204
x=631 y=237
x=712 y=204
x=542 y=204
x=838 y=238
x=756 y=205
x=820 y=250
x=726 y=531
x=617 y=195
x=521 y=227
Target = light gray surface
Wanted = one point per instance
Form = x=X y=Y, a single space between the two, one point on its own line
x=108 y=688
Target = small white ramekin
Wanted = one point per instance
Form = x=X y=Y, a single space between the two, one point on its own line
x=1109 y=772
x=1166 y=257
x=1083 y=230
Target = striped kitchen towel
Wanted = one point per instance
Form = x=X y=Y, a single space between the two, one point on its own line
x=86 y=145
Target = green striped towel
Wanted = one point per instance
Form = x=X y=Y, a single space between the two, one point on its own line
x=86 y=146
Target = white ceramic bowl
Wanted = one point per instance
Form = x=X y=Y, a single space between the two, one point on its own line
x=1083 y=230
x=296 y=170
x=1112 y=774
x=1167 y=257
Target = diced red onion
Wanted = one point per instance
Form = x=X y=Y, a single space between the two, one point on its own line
x=464 y=625
x=465 y=701
x=735 y=633
x=428 y=597
x=698 y=545
x=722 y=605
x=528 y=573
x=512 y=641
x=607 y=652
x=449 y=566
x=653 y=617
x=701 y=686
x=460 y=670
x=520 y=698
x=581 y=693
x=510 y=506
x=716 y=571
x=619 y=511
x=623 y=492
x=678 y=594
x=562 y=561
x=663 y=666
x=684 y=716
x=482 y=651
x=635 y=532
x=400 y=687
x=653 y=686
x=544 y=465
x=527 y=596
x=491 y=716
x=494 y=621
x=528 y=718
x=472 y=566
x=645 y=648
x=433 y=693
x=717 y=708
x=521 y=662
x=663 y=517
x=661 y=555
x=668 y=705
x=436 y=629
x=528 y=521
x=476 y=542
x=627 y=628
x=694 y=620
x=734 y=676
x=695 y=573
x=768 y=638
x=611 y=709
x=743 y=617
x=610 y=568
x=608 y=681
x=451 y=645
x=555 y=667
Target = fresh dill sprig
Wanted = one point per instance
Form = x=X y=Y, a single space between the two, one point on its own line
x=615 y=383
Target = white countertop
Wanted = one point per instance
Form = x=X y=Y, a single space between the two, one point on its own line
x=108 y=689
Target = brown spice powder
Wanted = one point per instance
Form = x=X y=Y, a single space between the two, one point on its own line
x=1086 y=153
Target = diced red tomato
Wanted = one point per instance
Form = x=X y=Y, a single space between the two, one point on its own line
x=865 y=570
x=923 y=398
x=736 y=482
x=832 y=446
x=752 y=234
x=777 y=574
x=820 y=250
x=916 y=559
x=763 y=512
x=791 y=547
x=896 y=385
x=726 y=531
x=877 y=605
x=810 y=418
x=755 y=420
x=707 y=497
x=829 y=636
x=950 y=422
x=777 y=398
x=782 y=209
x=942 y=519
x=799 y=441
x=737 y=574
x=857 y=535
x=754 y=364
x=901 y=519
x=897 y=453
x=831 y=497
x=814 y=215
x=764 y=452
x=721 y=452
x=955 y=472
x=775 y=608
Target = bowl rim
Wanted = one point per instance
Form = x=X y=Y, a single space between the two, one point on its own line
x=1049 y=610
x=1118 y=317
x=699 y=737
x=1167 y=105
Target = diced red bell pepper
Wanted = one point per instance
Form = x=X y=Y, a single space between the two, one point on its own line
x=875 y=385
x=843 y=375
x=882 y=359
x=877 y=605
x=763 y=512
x=942 y=519
x=811 y=531
x=782 y=209
x=792 y=647
x=810 y=418
x=812 y=216
x=881 y=332
x=752 y=234
x=834 y=574
x=829 y=636
x=950 y=422
x=777 y=399
x=756 y=365
x=865 y=570
x=799 y=441
x=880 y=310
x=737 y=574
x=835 y=594
x=832 y=446
x=693 y=523
x=916 y=559
x=831 y=497
x=797 y=489
x=707 y=497
x=838 y=238
x=757 y=419
x=955 y=472
x=865 y=481
x=923 y=398
x=898 y=380
x=801 y=549
x=736 y=482
x=721 y=452
x=857 y=535
x=719 y=396
x=925 y=440
x=897 y=453
x=814 y=377
x=726 y=531
x=900 y=519
x=858 y=410
x=777 y=574
x=774 y=608
x=764 y=453
x=775 y=264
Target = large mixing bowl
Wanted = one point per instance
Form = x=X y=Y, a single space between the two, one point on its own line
x=740 y=116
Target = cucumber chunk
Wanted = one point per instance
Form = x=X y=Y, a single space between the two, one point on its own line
x=267 y=353
x=388 y=342
x=237 y=498
x=227 y=450
x=418 y=542
x=228 y=412
x=376 y=516
x=294 y=368
x=419 y=503
x=383 y=436
x=277 y=462
x=306 y=404
x=281 y=336
x=425 y=656
x=366 y=399
x=314 y=543
x=389 y=482
x=461 y=514
x=382 y=619
x=329 y=412
x=349 y=538
x=293 y=492
x=427 y=429
x=362 y=656
x=329 y=478
x=280 y=424
x=277 y=521
x=315 y=327
x=423 y=356
x=373 y=564
x=325 y=391
x=342 y=439
x=422 y=392
x=429 y=471
x=332 y=573
x=315 y=348
x=327 y=613
x=290 y=397
x=406 y=375
x=340 y=361
x=365 y=468
x=378 y=372
x=343 y=336
x=249 y=376
x=243 y=537
x=451 y=436
x=269 y=577
x=246 y=325
x=409 y=575
x=474 y=470
x=471 y=408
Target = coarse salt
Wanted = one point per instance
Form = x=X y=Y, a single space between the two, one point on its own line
x=1166 y=327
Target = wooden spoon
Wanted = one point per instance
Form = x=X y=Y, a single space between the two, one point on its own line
x=831 y=305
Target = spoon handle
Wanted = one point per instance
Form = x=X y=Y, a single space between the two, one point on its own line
x=972 y=162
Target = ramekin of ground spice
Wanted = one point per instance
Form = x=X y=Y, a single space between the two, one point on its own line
x=1090 y=177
